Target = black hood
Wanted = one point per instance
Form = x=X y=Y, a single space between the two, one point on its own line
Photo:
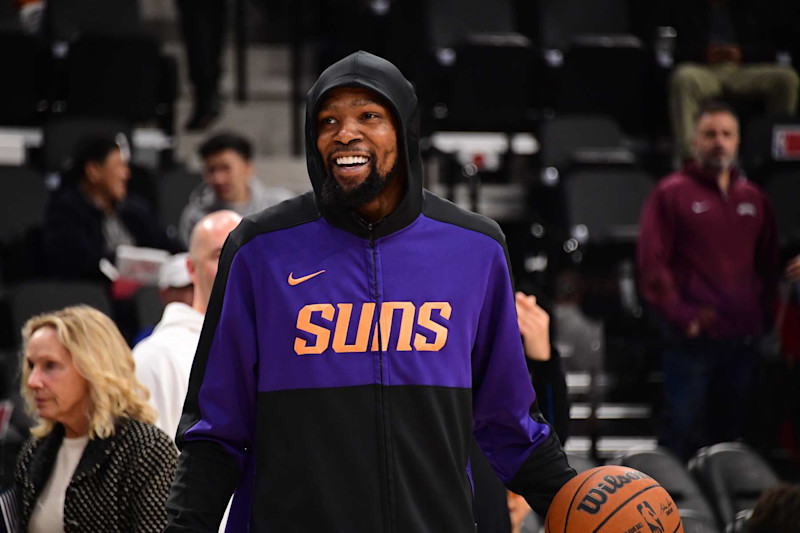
x=367 y=71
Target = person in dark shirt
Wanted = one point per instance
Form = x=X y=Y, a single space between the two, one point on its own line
x=92 y=214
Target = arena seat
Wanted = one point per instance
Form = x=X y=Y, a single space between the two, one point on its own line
x=68 y=19
x=783 y=188
x=581 y=463
x=35 y=297
x=148 y=307
x=62 y=134
x=114 y=76
x=562 y=20
x=739 y=524
x=606 y=74
x=174 y=189
x=660 y=464
x=483 y=63
x=26 y=62
x=733 y=476
x=603 y=204
x=568 y=140
x=22 y=201
x=694 y=522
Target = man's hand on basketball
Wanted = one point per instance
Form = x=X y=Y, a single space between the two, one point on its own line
x=534 y=324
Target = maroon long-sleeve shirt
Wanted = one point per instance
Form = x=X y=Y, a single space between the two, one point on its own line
x=702 y=248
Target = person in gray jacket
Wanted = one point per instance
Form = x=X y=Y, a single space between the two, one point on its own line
x=228 y=183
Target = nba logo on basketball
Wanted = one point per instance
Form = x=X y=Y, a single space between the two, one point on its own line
x=650 y=518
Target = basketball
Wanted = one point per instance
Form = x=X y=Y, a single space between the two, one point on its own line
x=613 y=499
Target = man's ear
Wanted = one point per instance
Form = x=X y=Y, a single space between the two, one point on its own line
x=192 y=270
x=92 y=171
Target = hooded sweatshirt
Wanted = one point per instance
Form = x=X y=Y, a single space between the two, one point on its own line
x=344 y=366
x=701 y=249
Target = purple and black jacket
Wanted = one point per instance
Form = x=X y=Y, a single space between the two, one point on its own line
x=344 y=367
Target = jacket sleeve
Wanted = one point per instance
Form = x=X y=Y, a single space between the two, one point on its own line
x=550 y=385
x=519 y=444
x=654 y=257
x=69 y=245
x=152 y=477
x=217 y=427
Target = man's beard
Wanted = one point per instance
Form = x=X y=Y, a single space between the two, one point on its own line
x=363 y=193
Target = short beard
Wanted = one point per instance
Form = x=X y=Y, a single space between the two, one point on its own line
x=714 y=166
x=363 y=193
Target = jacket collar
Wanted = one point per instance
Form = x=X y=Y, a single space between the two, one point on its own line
x=707 y=177
x=96 y=453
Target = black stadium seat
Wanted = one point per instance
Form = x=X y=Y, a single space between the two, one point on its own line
x=783 y=188
x=581 y=463
x=114 y=76
x=22 y=201
x=568 y=140
x=62 y=135
x=562 y=20
x=24 y=94
x=174 y=189
x=664 y=467
x=607 y=201
x=36 y=297
x=69 y=19
x=23 y=197
x=606 y=74
x=733 y=477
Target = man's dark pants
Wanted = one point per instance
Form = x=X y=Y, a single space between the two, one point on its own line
x=708 y=386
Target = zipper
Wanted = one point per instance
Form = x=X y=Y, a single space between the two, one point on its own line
x=389 y=522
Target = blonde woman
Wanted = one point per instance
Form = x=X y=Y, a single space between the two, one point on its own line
x=95 y=461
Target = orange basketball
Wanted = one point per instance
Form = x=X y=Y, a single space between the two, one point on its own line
x=613 y=499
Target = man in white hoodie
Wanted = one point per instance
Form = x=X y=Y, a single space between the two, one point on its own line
x=164 y=359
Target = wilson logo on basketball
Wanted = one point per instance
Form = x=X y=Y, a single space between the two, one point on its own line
x=424 y=329
x=595 y=497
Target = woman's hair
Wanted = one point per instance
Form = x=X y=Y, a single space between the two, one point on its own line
x=103 y=358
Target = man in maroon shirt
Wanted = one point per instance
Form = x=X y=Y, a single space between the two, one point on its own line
x=708 y=267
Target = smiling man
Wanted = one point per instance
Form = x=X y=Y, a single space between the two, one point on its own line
x=343 y=368
x=708 y=267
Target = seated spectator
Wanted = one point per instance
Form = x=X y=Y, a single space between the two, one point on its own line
x=91 y=214
x=95 y=462
x=164 y=360
x=727 y=48
x=777 y=511
x=174 y=285
x=229 y=183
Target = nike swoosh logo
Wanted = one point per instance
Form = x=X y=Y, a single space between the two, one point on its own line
x=297 y=281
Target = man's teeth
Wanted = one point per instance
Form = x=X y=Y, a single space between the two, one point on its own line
x=351 y=160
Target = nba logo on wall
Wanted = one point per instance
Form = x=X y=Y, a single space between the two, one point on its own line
x=786 y=142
